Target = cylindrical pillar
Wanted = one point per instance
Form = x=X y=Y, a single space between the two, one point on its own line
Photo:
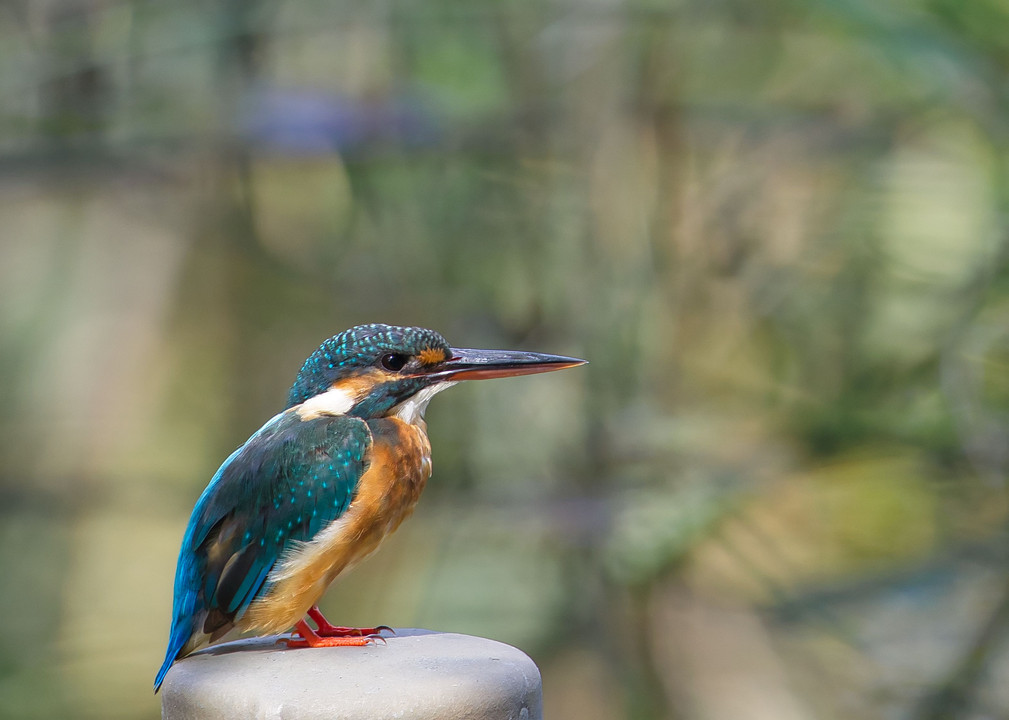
x=415 y=674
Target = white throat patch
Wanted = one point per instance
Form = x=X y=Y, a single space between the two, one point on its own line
x=412 y=409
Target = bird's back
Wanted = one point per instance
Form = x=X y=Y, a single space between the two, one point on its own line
x=273 y=495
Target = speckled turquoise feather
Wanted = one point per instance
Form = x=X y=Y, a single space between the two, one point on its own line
x=286 y=483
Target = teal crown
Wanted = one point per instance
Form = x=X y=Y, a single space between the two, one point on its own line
x=355 y=350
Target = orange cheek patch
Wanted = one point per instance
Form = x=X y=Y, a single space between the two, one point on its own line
x=432 y=356
x=357 y=386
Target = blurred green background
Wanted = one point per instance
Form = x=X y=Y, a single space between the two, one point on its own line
x=776 y=229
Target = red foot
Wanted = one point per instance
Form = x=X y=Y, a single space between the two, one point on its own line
x=328 y=630
x=309 y=638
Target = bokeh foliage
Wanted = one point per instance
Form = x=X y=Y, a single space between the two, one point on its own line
x=777 y=231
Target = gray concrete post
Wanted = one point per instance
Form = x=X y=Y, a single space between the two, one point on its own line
x=416 y=674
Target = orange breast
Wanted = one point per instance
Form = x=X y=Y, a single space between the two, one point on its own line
x=399 y=466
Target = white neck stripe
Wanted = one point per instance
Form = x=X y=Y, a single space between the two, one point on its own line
x=334 y=401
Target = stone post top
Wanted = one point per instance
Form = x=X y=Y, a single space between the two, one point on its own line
x=417 y=674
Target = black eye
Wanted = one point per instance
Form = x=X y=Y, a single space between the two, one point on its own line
x=394 y=361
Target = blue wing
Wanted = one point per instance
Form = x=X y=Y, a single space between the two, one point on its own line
x=287 y=482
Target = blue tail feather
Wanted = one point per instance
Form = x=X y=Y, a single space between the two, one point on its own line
x=178 y=639
x=182 y=630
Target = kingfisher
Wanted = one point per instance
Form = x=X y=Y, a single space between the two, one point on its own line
x=320 y=485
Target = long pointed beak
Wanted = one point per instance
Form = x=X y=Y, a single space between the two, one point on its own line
x=466 y=364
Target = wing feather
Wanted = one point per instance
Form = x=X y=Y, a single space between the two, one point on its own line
x=286 y=483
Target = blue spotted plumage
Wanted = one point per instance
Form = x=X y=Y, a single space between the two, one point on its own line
x=320 y=484
x=289 y=480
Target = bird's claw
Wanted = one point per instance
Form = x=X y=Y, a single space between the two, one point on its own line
x=332 y=636
x=339 y=631
x=303 y=642
x=379 y=629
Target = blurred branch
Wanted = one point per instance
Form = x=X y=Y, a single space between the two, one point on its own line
x=990 y=552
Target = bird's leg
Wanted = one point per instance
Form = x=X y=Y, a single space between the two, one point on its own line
x=309 y=638
x=326 y=629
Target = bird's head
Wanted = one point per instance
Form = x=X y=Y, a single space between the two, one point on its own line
x=376 y=370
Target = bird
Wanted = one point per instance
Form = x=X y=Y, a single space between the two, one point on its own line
x=320 y=485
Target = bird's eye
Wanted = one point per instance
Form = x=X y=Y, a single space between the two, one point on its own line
x=394 y=361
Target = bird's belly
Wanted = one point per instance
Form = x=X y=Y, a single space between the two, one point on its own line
x=400 y=464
